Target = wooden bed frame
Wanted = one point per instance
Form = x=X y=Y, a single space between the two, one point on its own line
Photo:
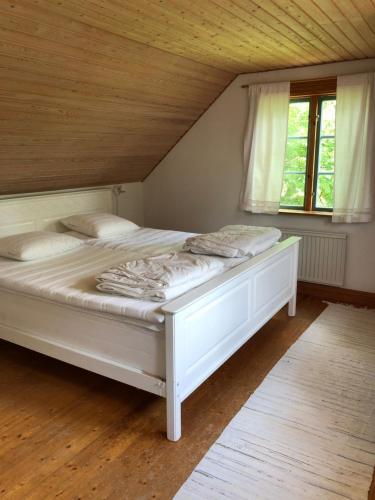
x=203 y=327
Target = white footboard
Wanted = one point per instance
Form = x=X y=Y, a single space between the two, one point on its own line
x=207 y=325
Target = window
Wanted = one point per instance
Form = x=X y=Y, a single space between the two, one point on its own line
x=325 y=155
x=309 y=162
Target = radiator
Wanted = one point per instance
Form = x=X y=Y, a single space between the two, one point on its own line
x=322 y=256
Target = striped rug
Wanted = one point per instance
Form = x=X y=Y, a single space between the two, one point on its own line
x=308 y=431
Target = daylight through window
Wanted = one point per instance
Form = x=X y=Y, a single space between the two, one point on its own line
x=309 y=162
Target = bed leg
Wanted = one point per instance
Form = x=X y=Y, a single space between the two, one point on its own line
x=292 y=305
x=174 y=357
x=173 y=419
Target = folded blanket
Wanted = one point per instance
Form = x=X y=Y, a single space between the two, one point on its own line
x=160 y=277
x=234 y=241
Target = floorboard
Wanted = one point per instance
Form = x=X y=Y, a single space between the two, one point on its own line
x=68 y=433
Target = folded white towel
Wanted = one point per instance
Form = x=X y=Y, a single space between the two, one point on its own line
x=234 y=241
x=160 y=277
x=160 y=295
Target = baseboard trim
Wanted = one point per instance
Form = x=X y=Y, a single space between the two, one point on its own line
x=337 y=294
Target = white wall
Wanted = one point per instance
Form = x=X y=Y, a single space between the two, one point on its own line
x=196 y=187
x=130 y=202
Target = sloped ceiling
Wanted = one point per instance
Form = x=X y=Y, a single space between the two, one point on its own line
x=97 y=91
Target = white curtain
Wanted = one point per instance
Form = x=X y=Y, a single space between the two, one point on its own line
x=354 y=162
x=264 y=148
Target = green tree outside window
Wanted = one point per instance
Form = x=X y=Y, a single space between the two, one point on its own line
x=295 y=170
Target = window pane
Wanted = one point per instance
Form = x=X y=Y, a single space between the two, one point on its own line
x=293 y=193
x=327 y=155
x=324 y=195
x=328 y=113
x=298 y=121
x=296 y=155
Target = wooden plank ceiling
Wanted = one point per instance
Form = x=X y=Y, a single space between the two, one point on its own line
x=97 y=91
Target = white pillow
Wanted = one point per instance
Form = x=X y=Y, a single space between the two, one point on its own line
x=99 y=225
x=36 y=245
x=80 y=236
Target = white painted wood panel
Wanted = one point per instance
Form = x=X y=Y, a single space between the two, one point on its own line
x=36 y=213
x=214 y=326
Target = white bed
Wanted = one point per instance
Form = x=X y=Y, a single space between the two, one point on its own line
x=168 y=350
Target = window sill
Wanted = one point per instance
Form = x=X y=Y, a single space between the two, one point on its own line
x=287 y=211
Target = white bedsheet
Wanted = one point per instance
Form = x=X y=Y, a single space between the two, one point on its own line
x=70 y=278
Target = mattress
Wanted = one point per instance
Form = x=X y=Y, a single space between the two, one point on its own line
x=70 y=278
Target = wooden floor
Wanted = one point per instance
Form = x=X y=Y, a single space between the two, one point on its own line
x=68 y=433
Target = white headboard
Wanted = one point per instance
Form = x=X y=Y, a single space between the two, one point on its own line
x=43 y=212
